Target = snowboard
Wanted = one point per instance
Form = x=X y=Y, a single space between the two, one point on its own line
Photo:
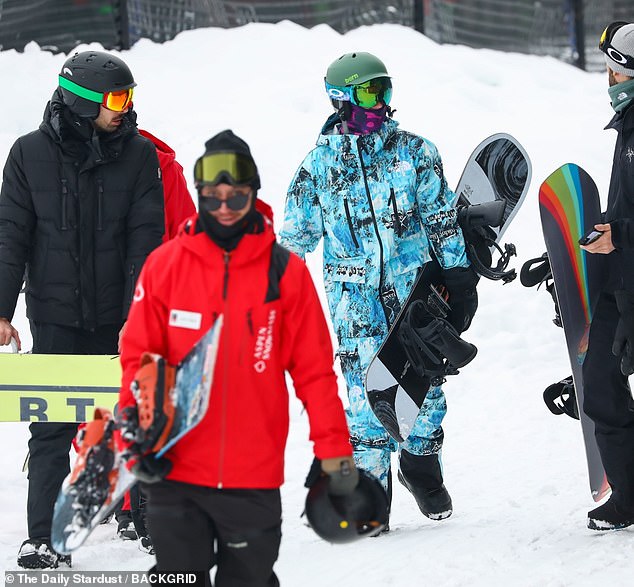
x=100 y=477
x=406 y=364
x=569 y=207
x=56 y=388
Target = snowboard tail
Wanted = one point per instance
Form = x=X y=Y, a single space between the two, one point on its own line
x=569 y=208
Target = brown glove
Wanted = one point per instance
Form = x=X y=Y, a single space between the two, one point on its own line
x=342 y=473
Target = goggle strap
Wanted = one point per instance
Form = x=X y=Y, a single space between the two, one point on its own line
x=79 y=90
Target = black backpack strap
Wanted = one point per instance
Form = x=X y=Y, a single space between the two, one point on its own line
x=277 y=267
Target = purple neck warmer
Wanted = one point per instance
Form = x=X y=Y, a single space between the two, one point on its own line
x=363 y=121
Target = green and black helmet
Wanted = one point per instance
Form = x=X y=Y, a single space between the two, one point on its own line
x=91 y=78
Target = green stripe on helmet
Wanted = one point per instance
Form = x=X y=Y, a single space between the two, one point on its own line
x=79 y=91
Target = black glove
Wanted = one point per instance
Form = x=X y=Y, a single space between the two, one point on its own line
x=463 y=298
x=149 y=469
x=624 y=338
x=343 y=476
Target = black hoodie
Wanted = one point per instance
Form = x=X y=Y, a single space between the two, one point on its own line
x=80 y=210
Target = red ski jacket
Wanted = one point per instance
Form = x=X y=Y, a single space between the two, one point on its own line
x=273 y=323
x=178 y=202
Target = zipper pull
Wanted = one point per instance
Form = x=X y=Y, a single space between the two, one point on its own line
x=99 y=203
x=64 y=203
x=226 y=276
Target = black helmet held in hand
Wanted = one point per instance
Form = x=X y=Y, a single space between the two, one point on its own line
x=87 y=75
x=346 y=518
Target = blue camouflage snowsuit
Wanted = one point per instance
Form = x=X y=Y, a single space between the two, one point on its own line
x=383 y=207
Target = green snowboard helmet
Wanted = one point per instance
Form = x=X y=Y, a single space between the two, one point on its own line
x=355 y=68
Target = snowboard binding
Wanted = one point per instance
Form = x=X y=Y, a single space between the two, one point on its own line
x=433 y=347
x=477 y=222
x=94 y=474
x=148 y=424
x=537 y=272
x=560 y=398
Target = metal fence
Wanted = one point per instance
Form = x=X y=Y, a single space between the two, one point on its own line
x=566 y=29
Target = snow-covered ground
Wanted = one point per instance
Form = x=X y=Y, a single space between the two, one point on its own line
x=516 y=473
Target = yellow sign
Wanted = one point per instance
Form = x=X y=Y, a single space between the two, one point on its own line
x=55 y=406
x=56 y=388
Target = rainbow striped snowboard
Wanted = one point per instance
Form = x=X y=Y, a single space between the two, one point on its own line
x=569 y=207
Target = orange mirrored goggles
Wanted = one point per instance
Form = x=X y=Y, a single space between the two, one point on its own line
x=118 y=101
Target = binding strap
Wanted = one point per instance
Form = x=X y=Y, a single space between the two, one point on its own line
x=560 y=398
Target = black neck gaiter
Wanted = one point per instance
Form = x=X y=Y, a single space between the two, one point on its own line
x=228 y=237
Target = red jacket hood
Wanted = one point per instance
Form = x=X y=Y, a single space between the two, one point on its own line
x=165 y=153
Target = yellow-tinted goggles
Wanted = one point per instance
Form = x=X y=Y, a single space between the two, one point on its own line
x=232 y=168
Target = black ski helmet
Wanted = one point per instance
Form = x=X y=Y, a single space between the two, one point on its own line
x=92 y=71
x=347 y=518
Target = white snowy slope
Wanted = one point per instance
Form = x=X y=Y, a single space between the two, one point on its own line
x=516 y=473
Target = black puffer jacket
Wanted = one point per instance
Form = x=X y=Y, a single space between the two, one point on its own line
x=81 y=211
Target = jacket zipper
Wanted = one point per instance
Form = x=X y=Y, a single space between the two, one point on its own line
x=350 y=227
x=64 y=204
x=386 y=311
x=397 y=221
x=225 y=372
x=132 y=286
x=99 y=203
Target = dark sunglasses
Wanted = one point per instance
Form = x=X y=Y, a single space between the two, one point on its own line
x=605 y=44
x=234 y=203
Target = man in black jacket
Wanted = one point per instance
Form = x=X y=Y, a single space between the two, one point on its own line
x=81 y=206
x=610 y=359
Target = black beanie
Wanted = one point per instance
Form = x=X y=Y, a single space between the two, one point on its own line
x=227 y=142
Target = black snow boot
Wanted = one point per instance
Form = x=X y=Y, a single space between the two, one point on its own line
x=422 y=477
x=125 y=525
x=610 y=516
x=37 y=553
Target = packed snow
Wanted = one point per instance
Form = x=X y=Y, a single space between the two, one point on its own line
x=516 y=473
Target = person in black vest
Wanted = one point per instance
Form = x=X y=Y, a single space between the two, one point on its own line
x=81 y=206
x=610 y=359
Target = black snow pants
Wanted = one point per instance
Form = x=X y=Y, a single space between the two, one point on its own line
x=608 y=402
x=50 y=442
x=194 y=528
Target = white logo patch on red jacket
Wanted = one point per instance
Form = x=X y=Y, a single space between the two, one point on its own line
x=185 y=319
x=139 y=292
x=264 y=344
